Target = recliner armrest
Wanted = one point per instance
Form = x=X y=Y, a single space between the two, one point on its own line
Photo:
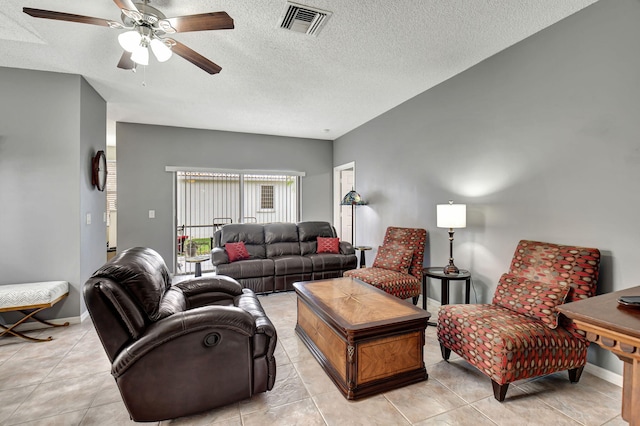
x=219 y=256
x=182 y=324
x=346 y=248
x=203 y=291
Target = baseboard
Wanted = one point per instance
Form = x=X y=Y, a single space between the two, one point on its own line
x=604 y=374
x=600 y=372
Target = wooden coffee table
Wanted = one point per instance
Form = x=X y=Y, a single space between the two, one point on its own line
x=366 y=340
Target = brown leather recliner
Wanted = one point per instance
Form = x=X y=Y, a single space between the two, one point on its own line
x=180 y=349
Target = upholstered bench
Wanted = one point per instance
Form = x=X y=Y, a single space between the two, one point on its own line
x=33 y=297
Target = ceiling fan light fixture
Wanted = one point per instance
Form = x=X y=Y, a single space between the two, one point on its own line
x=130 y=40
x=161 y=51
x=140 y=55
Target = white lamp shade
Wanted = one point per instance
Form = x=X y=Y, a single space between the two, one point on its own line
x=451 y=215
x=140 y=55
x=161 y=51
x=129 y=40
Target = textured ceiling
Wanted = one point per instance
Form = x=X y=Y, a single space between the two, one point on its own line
x=370 y=56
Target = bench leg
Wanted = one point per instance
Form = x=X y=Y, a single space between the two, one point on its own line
x=27 y=316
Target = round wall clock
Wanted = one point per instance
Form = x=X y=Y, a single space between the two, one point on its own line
x=99 y=171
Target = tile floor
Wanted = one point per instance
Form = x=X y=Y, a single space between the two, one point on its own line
x=67 y=382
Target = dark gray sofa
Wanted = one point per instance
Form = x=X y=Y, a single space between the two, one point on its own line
x=280 y=254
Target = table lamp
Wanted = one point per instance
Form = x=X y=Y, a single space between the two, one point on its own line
x=451 y=216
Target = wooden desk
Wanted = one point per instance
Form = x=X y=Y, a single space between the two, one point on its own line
x=617 y=329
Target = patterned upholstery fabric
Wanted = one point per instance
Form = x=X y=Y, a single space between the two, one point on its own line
x=531 y=298
x=395 y=283
x=507 y=345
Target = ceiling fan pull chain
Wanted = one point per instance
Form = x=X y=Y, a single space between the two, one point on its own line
x=144 y=76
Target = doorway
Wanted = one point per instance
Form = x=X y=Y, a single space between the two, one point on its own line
x=344 y=177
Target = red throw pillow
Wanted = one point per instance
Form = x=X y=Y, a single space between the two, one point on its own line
x=236 y=251
x=394 y=258
x=328 y=245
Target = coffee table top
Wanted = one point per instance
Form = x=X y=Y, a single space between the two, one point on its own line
x=354 y=304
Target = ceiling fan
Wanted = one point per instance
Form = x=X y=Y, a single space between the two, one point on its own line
x=148 y=28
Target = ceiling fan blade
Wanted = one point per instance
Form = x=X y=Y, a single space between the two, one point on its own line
x=125 y=62
x=195 y=58
x=126 y=5
x=61 y=16
x=201 y=22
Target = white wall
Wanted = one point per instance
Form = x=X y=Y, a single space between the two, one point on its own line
x=50 y=126
x=144 y=151
x=541 y=141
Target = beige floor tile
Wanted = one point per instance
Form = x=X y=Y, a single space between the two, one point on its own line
x=521 y=409
x=16 y=372
x=302 y=412
x=573 y=399
x=375 y=410
x=296 y=349
x=12 y=399
x=466 y=415
x=314 y=377
x=108 y=392
x=423 y=400
x=616 y=421
x=462 y=378
x=58 y=397
x=66 y=419
x=114 y=414
x=229 y=413
x=287 y=388
x=77 y=364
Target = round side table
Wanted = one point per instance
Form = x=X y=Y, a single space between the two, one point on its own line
x=198 y=260
x=438 y=273
x=362 y=249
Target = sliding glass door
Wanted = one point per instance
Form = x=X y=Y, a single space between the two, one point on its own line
x=208 y=200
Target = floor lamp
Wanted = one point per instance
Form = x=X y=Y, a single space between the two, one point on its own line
x=353 y=199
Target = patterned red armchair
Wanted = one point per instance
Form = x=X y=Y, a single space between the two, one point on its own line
x=520 y=334
x=397 y=268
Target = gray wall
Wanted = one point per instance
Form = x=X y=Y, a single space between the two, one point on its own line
x=50 y=126
x=143 y=184
x=541 y=141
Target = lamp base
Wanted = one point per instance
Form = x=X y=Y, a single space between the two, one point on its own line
x=451 y=269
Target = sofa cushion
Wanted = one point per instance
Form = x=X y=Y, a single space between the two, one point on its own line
x=252 y=235
x=249 y=268
x=330 y=262
x=281 y=239
x=309 y=233
x=393 y=258
x=143 y=273
x=328 y=245
x=534 y=299
x=288 y=265
x=236 y=251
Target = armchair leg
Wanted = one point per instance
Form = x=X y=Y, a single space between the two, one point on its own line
x=446 y=352
x=575 y=373
x=415 y=300
x=499 y=391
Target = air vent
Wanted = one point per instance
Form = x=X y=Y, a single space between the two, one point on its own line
x=303 y=19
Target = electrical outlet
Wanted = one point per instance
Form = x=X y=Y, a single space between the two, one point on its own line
x=152 y=214
x=88 y=218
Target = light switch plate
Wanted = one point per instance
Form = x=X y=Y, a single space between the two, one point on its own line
x=152 y=214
